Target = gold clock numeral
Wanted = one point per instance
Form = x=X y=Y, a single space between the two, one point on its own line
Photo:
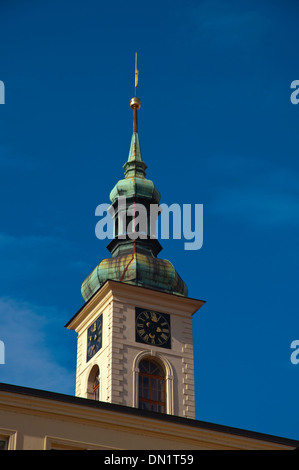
x=90 y=350
x=154 y=317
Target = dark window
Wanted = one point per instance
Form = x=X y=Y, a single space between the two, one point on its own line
x=151 y=386
x=3 y=444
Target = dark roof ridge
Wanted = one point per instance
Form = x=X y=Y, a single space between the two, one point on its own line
x=48 y=395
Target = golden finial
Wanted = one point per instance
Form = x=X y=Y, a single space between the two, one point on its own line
x=136 y=72
x=135 y=102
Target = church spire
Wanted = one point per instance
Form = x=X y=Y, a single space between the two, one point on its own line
x=135 y=166
x=134 y=258
x=135 y=102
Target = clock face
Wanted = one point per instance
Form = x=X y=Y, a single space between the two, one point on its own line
x=152 y=327
x=94 y=338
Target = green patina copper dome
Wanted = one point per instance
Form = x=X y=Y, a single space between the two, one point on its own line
x=134 y=261
x=140 y=270
x=135 y=185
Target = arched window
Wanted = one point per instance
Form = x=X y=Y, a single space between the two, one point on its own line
x=151 y=387
x=93 y=385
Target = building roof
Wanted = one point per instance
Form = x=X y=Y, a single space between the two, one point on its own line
x=157 y=417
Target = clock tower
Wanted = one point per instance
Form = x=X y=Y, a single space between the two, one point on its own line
x=134 y=332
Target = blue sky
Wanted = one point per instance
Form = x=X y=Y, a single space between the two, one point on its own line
x=216 y=127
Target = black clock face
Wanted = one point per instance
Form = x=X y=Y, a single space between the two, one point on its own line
x=152 y=328
x=94 y=338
